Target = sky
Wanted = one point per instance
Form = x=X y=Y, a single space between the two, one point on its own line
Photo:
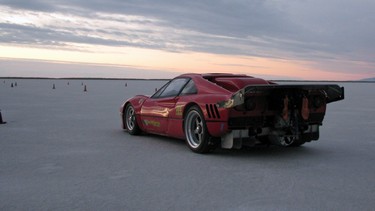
x=273 y=39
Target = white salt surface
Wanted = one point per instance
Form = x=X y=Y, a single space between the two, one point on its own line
x=63 y=149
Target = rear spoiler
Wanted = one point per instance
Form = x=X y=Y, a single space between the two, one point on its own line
x=333 y=92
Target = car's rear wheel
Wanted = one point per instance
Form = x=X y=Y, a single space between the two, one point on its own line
x=197 y=137
x=130 y=120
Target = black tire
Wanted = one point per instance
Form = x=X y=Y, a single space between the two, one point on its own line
x=196 y=134
x=130 y=120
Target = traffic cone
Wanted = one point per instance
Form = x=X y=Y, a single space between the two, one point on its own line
x=1 y=119
x=85 y=89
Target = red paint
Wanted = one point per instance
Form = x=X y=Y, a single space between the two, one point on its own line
x=165 y=116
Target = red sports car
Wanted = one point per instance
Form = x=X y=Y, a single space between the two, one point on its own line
x=230 y=110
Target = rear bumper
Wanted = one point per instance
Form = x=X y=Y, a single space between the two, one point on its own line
x=217 y=128
x=235 y=139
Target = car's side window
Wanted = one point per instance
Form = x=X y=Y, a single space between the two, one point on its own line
x=189 y=88
x=172 y=89
x=157 y=94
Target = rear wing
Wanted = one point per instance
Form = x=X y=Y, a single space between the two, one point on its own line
x=332 y=92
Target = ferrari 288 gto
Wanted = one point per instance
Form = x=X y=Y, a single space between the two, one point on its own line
x=231 y=110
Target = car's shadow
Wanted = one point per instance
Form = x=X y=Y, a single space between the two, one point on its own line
x=260 y=150
x=268 y=151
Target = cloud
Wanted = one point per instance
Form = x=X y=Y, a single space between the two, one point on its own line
x=312 y=30
x=36 y=5
x=340 y=26
x=166 y=26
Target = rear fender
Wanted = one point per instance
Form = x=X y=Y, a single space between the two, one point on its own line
x=216 y=119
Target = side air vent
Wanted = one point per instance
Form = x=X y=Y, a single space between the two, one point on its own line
x=212 y=111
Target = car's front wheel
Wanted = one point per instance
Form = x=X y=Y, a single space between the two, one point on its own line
x=130 y=120
x=196 y=135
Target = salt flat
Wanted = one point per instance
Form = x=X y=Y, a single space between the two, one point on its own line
x=63 y=149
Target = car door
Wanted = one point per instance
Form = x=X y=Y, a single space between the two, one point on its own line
x=156 y=110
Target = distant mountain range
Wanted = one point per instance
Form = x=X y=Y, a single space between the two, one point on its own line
x=368 y=79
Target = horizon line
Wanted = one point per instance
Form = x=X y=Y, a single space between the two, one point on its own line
x=167 y=79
